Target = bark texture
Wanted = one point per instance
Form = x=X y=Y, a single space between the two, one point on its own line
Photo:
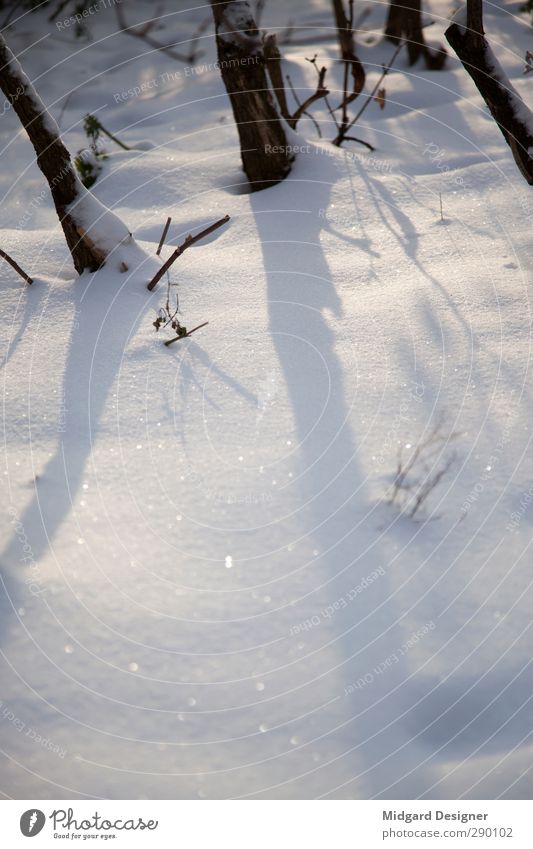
x=53 y=157
x=266 y=157
x=507 y=108
x=404 y=22
x=347 y=47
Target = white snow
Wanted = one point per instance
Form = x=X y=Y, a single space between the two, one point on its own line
x=204 y=593
x=235 y=25
x=104 y=228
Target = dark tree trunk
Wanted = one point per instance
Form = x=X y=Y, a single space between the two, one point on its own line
x=266 y=157
x=52 y=157
x=347 y=47
x=507 y=108
x=404 y=22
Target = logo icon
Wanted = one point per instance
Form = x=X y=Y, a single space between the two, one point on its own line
x=32 y=822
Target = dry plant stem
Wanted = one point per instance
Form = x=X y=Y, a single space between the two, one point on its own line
x=163 y=236
x=307 y=114
x=114 y=138
x=361 y=141
x=190 y=240
x=16 y=266
x=386 y=69
x=418 y=490
x=185 y=335
x=321 y=91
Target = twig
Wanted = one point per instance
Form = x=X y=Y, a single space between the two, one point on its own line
x=386 y=69
x=163 y=236
x=273 y=57
x=189 y=240
x=355 y=139
x=321 y=91
x=185 y=334
x=113 y=138
x=16 y=266
x=299 y=103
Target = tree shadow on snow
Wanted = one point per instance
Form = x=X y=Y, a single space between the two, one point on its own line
x=305 y=322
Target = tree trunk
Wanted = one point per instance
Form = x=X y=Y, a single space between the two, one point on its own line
x=404 y=21
x=52 y=158
x=507 y=108
x=266 y=157
x=347 y=47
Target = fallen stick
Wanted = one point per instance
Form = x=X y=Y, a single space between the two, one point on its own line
x=185 y=334
x=189 y=240
x=16 y=266
x=163 y=236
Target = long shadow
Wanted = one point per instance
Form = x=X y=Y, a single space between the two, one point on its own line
x=305 y=324
x=107 y=308
x=32 y=299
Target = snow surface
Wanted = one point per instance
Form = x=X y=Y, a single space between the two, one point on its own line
x=215 y=598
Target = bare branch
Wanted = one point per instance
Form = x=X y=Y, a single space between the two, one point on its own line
x=185 y=334
x=16 y=266
x=189 y=240
x=507 y=108
x=163 y=236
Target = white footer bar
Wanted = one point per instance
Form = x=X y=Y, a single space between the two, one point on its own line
x=199 y=824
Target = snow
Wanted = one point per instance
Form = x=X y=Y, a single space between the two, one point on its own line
x=235 y=26
x=521 y=111
x=205 y=593
x=103 y=227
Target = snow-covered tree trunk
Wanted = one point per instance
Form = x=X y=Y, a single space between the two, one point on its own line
x=404 y=21
x=78 y=211
x=515 y=120
x=266 y=157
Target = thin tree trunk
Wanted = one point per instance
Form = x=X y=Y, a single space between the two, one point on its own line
x=507 y=108
x=347 y=47
x=266 y=157
x=404 y=21
x=52 y=158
